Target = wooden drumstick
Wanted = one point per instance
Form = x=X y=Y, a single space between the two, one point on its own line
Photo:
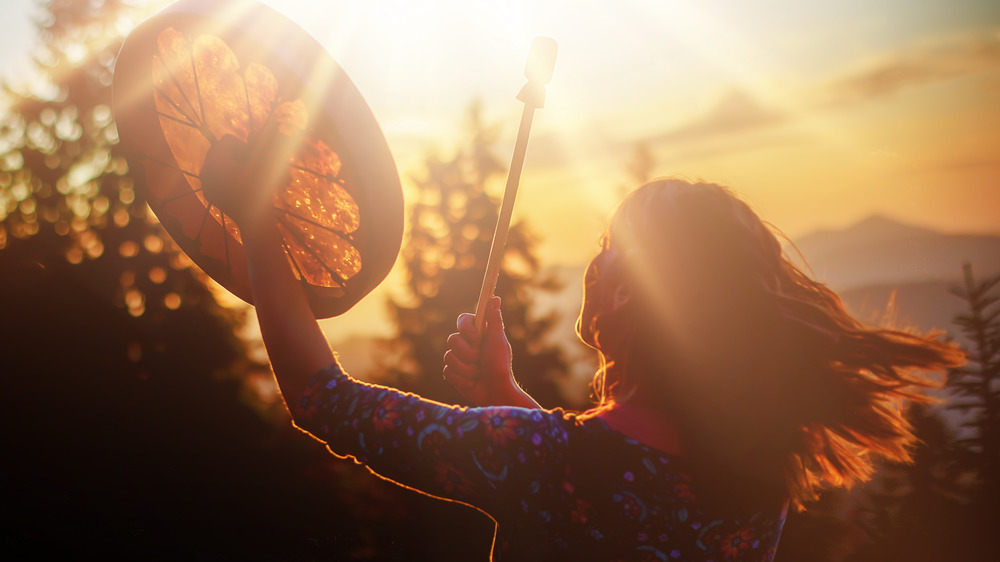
x=538 y=71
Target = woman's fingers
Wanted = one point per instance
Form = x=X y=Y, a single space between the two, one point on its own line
x=461 y=385
x=458 y=371
x=494 y=319
x=477 y=366
x=467 y=327
x=463 y=349
x=461 y=361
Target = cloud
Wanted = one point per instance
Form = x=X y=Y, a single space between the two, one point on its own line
x=724 y=126
x=957 y=165
x=736 y=112
x=936 y=60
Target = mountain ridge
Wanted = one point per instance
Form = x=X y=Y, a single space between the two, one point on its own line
x=882 y=250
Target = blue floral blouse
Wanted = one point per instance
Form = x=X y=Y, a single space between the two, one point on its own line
x=558 y=486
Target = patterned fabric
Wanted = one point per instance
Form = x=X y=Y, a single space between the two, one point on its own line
x=558 y=486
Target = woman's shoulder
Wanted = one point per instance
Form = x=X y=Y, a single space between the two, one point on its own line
x=642 y=431
x=603 y=455
x=610 y=458
x=592 y=435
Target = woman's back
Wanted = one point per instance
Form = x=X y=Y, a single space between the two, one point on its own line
x=560 y=486
x=619 y=499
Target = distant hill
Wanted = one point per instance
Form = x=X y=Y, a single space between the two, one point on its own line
x=882 y=251
x=866 y=263
x=924 y=306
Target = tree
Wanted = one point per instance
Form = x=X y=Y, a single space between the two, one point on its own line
x=67 y=201
x=818 y=534
x=134 y=424
x=977 y=390
x=638 y=168
x=977 y=384
x=451 y=228
x=935 y=491
x=906 y=499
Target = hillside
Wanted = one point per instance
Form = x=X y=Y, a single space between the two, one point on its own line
x=923 y=306
x=881 y=251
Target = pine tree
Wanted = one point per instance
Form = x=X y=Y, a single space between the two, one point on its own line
x=638 y=168
x=133 y=426
x=976 y=387
x=977 y=384
x=903 y=500
x=934 y=492
x=68 y=205
x=451 y=228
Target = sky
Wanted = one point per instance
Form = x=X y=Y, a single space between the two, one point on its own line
x=819 y=113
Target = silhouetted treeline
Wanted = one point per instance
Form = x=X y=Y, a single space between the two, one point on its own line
x=943 y=506
x=137 y=423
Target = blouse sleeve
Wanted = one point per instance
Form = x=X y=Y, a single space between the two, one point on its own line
x=486 y=457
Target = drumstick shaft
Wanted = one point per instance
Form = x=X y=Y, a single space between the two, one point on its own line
x=503 y=220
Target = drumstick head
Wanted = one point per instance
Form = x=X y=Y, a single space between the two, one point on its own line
x=541 y=60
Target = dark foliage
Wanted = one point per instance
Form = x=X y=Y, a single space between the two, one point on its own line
x=977 y=385
x=920 y=511
x=943 y=506
x=138 y=425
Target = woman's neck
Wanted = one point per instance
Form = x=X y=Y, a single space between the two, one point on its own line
x=645 y=424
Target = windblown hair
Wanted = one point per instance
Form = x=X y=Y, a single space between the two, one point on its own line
x=775 y=387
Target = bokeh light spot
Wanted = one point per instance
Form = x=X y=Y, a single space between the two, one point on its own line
x=136 y=302
x=153 y=244
x=128 y=249
x=172 y=301
x=101 y=205
x=94 y=251
x=157 y=275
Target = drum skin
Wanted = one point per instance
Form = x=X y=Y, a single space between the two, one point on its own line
x=199 y=70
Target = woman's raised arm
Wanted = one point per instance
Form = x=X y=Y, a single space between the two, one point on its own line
x=295 y=345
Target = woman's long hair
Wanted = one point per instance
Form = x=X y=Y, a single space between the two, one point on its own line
x=776 y=389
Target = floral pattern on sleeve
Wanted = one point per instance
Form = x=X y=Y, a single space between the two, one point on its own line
x=559 y=487
x=477 y=456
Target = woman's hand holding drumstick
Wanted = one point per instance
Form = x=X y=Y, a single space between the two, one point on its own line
x=478 y=361
x=478 y=364
x=538 y=70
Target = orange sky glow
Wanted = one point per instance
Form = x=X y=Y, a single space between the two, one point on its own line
x=820 y=114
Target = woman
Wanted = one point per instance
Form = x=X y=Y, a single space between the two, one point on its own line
x=731 y=386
